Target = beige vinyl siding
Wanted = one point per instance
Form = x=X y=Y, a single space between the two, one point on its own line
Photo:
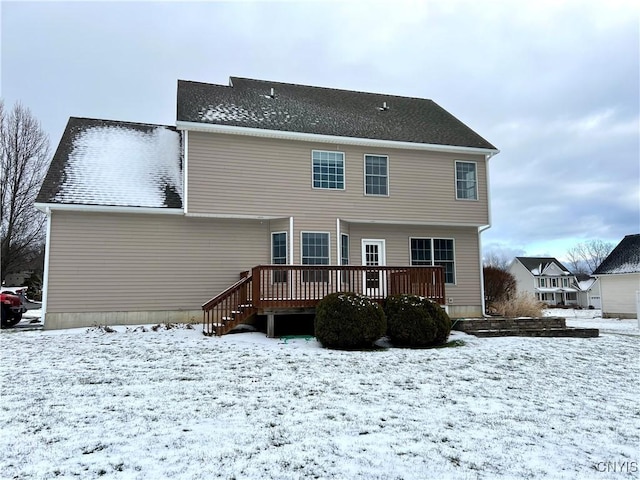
x=233 y=174
x=619 y=294
x=135 y=262
x=466 y=290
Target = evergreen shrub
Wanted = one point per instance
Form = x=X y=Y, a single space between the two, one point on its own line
x=347 y=321
x=414 y=321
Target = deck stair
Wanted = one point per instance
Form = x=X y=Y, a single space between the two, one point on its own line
x=522 y=327
x=284 y=289
x=229 y=308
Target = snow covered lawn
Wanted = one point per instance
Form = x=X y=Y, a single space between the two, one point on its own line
x=175 y=404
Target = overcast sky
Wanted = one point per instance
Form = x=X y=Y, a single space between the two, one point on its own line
x=554 y=85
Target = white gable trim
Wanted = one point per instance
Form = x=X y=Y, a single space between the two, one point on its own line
x=554 y=269
x=313 y=137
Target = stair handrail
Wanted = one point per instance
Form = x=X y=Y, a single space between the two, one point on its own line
x=225 y=293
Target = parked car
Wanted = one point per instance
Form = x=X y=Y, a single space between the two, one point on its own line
x=12 y=308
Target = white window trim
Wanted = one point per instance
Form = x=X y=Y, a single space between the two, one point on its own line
x=456 y=181
x=286 y=256
x=287 y=248
x=364 y=174
x=344 y=173
x=313 y=231
x=328 y=244
x=349 y=252
x=455 y=262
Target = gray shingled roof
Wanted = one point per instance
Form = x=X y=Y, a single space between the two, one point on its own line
x=323 y=111
x=104 y=162
x=625 y=258
x=532 y=263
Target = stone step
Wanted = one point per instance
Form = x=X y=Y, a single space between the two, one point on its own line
x=545 y=332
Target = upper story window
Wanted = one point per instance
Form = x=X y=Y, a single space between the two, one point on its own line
x=554 y=282
x=466 y=181
x=376 y=175
x=435 y=251
x=565 y=282
x=542 y=282
x=328 y=170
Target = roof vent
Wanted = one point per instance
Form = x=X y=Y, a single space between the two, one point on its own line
x=273 y=93
x=383 y=107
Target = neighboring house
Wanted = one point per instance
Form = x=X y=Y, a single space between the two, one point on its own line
x=589 y=295
x=148 y=222
x=619 y=276
x=545 y=278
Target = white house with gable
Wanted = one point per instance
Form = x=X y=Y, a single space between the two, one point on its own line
x=545 y=278
x=619 y=275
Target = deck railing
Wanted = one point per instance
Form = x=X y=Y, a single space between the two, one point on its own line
x=229 y=308
x=302 y=286
x=276 y=287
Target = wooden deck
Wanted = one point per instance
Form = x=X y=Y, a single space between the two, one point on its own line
x=273 y=288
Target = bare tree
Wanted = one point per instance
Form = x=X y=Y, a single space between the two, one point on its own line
x=585 y=257
x=24 y=156
x=497 y=259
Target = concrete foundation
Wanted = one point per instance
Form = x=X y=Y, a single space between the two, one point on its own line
x=56 y=321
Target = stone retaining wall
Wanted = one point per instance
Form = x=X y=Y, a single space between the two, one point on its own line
x=522 y=327
x=499 y=323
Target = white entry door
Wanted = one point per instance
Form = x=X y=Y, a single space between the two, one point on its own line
x=373 y=254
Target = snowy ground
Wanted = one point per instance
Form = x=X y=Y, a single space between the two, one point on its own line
x=593 y=319
x=175 y=404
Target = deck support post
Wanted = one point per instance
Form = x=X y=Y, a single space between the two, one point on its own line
x=271 y=325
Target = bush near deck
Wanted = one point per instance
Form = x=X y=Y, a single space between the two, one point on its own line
x=349 y=321
x=414 y=321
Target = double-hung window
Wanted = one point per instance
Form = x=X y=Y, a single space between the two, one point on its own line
x=344 y=256
x=279 y=255
x=466 y=181
x=435 y=251
x=328 y=170
x=315 y=251
x=376 y=175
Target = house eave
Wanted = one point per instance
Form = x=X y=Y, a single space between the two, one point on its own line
x=334 y=139
x=72 y=207
x=236 y=216
x=410 y=222
x=614 y=274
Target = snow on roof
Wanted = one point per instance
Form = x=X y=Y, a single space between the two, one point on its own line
x=585 y=285
x=234 y=113
x=538 y=265
x=120 y=164
x=625 y=258
x=323 y=111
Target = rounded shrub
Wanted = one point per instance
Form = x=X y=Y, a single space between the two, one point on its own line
x=414 y=321
x=349 y=321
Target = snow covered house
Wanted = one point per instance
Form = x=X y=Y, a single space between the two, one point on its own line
x=264 y=196
x=545 y=278
x=589 y=295
x=619 y=275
